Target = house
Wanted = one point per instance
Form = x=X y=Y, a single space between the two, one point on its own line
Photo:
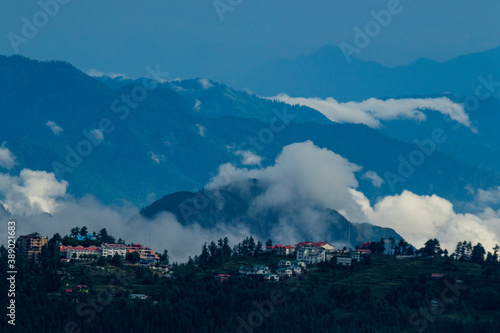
x=355 y=255
x=281 y=250
x=89 y=236
x=296 y=270
x=80 y=252
x=260 y=269
x=401 y=257
x=284 y=263
x=82 y=288
x=365 y=245
x=163 y=268
x=329 y=255
x=437 y=276
x=245 y=270
x=299 y=263
x=145 y=253
x=323 y=245
x=138 y=296
x=109 y=250
x=32 y=245
x=311 y=254
x=344 y=261
x=271 y=277
x=222 y=277
x=284 y=272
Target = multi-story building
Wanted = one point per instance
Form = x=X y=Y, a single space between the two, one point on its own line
x=311 y=254
x=78 y=252
x=32 y=245
x=112 y=249
x=344 y=261
x=145 y=252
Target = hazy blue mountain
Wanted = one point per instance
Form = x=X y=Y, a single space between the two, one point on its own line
x=217 y=100
x=230 y=206
x=166 y=145
x=327 y=73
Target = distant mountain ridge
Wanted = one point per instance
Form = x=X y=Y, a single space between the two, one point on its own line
x=327 y=73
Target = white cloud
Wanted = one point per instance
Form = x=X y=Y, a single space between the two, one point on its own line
x=371 y=111
x=374 y=178
x=164 y=232
x=205 y=84
x=56 y=129
x=201 y=130
x=248 y=158
x=97 y=133
x=95 y=73
x=156 y=157
x=419 y=218
x=7 y=159
x=304 y=176
x=32 y=192
x=197 y=106
x=301 y=172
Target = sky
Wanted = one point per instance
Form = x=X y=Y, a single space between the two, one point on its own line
x=193 y=39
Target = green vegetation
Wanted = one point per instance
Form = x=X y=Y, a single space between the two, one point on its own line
x=383 y=294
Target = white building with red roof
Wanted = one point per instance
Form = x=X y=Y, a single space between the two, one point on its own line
x=281 y=250
x=77 y=252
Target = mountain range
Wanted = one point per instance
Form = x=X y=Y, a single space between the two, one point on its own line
x=177 y=137
x=123 y=141
x=329 y=73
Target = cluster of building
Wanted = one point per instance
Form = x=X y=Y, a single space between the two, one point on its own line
x=32 y=245
x=146 y=254
x=313 y=253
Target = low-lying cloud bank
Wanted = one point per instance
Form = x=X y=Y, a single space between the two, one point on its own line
x=303 y=177
x=304 y=172
x=371 y=111
x=164 y=232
